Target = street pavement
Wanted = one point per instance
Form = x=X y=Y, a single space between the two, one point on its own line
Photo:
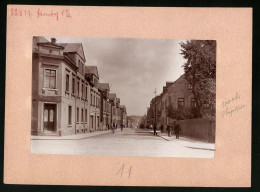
x=129 y=142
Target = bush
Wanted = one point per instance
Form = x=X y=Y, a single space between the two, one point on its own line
x=182 y=113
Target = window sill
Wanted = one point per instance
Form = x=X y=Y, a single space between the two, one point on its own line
x=49 y=89
x=69 y=125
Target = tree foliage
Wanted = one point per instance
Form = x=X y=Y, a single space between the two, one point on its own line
x=200 y=70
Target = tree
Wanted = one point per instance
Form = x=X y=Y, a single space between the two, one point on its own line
x=200 y=70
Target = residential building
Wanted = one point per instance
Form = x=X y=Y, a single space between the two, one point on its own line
x=94 y=111
x=105 y=107
x=59 y=89
x=123 y=115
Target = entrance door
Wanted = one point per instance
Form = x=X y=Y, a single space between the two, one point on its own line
x=49 y=117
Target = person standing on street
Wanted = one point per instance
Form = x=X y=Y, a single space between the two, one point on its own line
x=154 y=129
x=113 y=127
x=177 y=129
x=169 y=128
x=162 y=128
x=121 y=127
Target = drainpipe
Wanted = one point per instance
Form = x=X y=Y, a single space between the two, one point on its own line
x=75 y=102
x=84 y=108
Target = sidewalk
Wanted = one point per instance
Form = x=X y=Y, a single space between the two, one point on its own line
x=188 y=142
x=72 y=137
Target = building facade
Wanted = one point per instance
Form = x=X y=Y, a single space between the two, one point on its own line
x=59 y=96
x=94 y=110
x=123 y=115
x=105 y=107
x=177 y=95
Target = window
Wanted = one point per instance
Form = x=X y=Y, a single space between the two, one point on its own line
x=98 y=121
x=180 y=102
x=69 y=115
x=86 y=115
x=189 y=86
x=95 y=82
x=50 y=78
x=73 y=85
x=192 y=103
x=78 y=88
x=86 y=93
x=82 y=120
x=77 y=114
x=91 y=99
x=67 y=82
x=94 y=102
x=82 y=91
x=91 y=121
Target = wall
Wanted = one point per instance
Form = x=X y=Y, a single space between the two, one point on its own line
x=201 y=129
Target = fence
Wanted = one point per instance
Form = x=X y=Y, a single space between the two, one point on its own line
x=201 y=129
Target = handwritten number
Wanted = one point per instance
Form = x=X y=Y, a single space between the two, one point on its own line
x=130 y=169
x=121 y=170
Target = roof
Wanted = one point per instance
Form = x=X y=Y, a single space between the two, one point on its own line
x=74 y=48
x=112 y=96
x=91 y=70
x=38 y=39
x=103 y=86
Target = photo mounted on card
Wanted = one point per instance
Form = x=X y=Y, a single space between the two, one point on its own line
x=106 y=97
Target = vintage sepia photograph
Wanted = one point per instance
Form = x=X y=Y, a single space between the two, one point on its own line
x=123 y=97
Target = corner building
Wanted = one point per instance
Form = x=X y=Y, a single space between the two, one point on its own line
x=60 y=91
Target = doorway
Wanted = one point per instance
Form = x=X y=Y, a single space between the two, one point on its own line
x=49 y=117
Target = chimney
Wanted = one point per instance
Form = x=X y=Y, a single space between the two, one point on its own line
x=53 y=40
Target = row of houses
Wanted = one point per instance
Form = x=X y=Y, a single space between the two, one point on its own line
x=178 y=95
x=67 y=97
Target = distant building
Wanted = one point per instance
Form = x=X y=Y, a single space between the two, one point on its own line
x=115 y=108
x=177 y=94
x=105 y=107
x=123 y=115
x=133 y=121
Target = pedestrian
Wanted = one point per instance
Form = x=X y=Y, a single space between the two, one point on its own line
x=154 y=129
x=177 y=129
x=113 y=127
x=169 y=129
x=162 y=128
x=121 y=127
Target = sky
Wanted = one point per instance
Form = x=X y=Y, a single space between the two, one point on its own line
x=134 y=68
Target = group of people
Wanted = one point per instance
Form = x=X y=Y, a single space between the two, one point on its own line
x=114 y=127
x=174 y=126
